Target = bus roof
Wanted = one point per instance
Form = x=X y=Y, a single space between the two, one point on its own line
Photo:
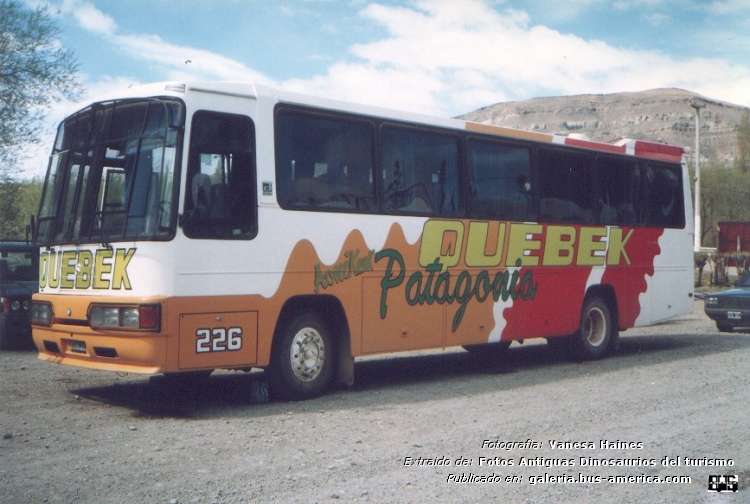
x=643 y=148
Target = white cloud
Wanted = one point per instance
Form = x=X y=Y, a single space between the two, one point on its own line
x=729 y=7
x=441 y=57
x=657 y=19
x=181 y=62
x=648 y=4
x=446 y=57
x=89 y=17
x=566 y=10
x=402 y=89
x=177 y=62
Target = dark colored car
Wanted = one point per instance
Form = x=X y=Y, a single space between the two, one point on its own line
x=730 y=309
x=19 y=280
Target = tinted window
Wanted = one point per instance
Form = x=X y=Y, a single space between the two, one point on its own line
x=420 y=172
x=663 y=192
x=112 y=174
x=19 y=265
x=619 y=199
x=220 y=200
x=565 y=186
x=499 y=181
x=324 y=162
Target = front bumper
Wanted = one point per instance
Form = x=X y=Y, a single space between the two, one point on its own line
x=731 y=316
x=129 y=353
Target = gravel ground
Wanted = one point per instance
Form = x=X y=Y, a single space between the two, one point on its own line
x=420 y=427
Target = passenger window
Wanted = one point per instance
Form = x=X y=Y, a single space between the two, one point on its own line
x=499 y=181
x=619 y=200
x=220 y=200
x=665 y=205
x=565 y=187
x=324 y=162
x=420 y=172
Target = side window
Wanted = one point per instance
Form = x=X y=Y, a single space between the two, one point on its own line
x=565 y=187
x=619 y=200
x=324 y=162
x=420 y=172
x=220 y=200
x=663 y=192
x=499 y=181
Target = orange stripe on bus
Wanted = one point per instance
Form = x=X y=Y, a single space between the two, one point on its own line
x=509 y=132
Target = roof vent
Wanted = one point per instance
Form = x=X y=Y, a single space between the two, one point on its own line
x=179 y=88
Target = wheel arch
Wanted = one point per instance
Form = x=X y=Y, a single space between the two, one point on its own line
x=330 y=308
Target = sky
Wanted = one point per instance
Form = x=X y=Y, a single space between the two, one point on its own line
x=437 y=57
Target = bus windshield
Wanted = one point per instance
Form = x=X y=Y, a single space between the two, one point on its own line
x=112 y=174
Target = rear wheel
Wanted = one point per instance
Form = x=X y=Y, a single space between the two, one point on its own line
x=302 y=363
x=594 y=336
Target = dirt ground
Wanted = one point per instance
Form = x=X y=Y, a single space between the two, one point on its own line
x=422 y=427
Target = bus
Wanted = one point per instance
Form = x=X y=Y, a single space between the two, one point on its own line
x=189 y=227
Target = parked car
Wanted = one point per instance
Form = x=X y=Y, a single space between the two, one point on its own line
x=19 y=280
x=731 y=308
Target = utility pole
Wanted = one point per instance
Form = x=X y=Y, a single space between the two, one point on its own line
x=698 y=229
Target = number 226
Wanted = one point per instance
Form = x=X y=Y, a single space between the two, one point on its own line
x=219 y=339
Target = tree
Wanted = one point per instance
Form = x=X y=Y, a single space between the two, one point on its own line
x=742 y=161
x=18 y=200
x=35 y=72
x=725 y=194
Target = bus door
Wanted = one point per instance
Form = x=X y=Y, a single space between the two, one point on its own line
x=220 y=221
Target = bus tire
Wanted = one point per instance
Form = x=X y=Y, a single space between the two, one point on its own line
x=302 y=363
x=595 y=333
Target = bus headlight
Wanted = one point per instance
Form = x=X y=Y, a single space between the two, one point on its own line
x=104 y=316
x=129 y=317
x=125 y=317
x=42 y=313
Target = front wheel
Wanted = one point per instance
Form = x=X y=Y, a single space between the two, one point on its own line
x=302 y=362
x=594 y=335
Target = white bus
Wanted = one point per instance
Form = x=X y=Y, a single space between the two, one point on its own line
x=187 y=227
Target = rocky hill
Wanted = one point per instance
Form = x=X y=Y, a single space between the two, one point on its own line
x=656 y=115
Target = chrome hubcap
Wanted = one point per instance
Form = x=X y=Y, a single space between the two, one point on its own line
x=307 y=354
x=595 y=327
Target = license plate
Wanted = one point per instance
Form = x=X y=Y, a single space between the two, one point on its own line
x=734 y=315
x=78 y=346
